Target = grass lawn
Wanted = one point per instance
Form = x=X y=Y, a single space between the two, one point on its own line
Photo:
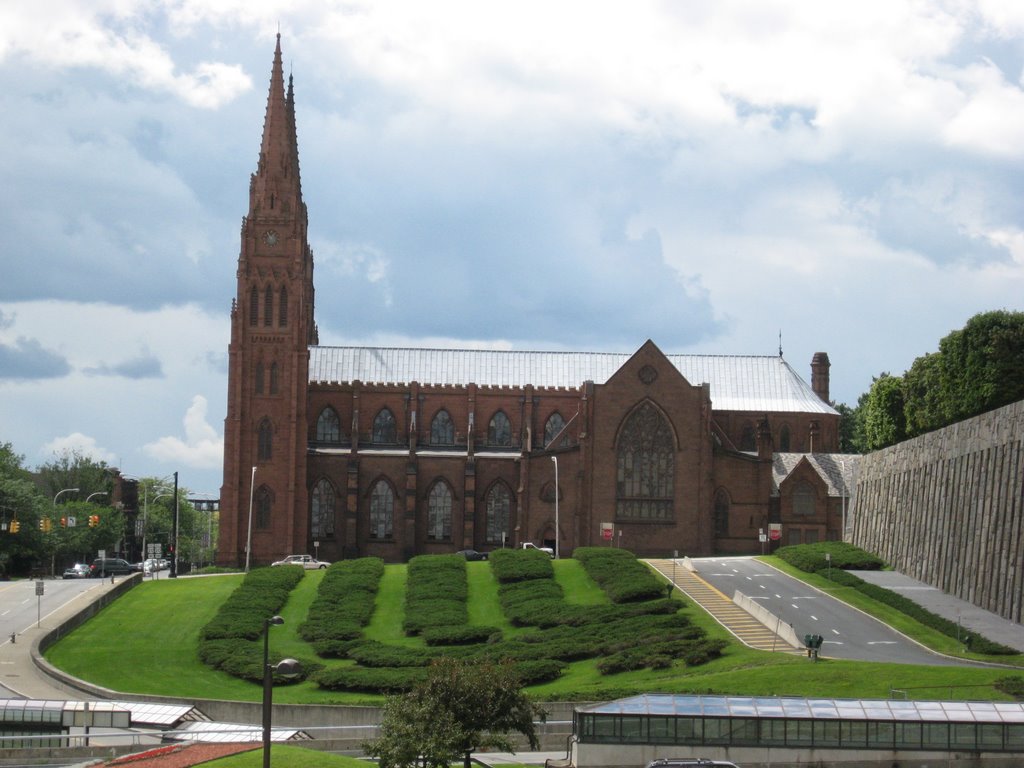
x=145 y=642
x=285 y=756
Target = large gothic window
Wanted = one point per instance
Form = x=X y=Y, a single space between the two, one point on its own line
x=382 y=510
x=499 y=431
x=721 y=513
x=498 y=506
x=282 y=307
x=259 y=378
x=803 y=499
x=384 y=430
x=254 y=306
x=264 y=434
x=321 y=523
x=328 y=426
x=275 y=379
x=552 y=427
x=264 y=502
x=439 y=512
x=784 y=439
x=442 y=430
x=268 y=306
x=646 y=463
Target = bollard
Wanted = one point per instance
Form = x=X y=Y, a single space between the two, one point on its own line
x=14 y=635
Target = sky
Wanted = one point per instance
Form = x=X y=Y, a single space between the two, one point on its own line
x=533 y=175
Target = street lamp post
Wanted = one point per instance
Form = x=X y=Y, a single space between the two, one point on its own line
x=286 y=668
x=555 y=459
x=248 y=536
x=53 y=549
x=98 y=493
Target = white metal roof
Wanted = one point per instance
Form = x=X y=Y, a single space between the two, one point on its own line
x=760 y=383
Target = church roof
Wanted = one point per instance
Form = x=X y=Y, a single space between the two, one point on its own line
x=836 y=469
x=760 y=383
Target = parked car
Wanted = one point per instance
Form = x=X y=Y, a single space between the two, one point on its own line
x=308 y=562
x=110 y=566
x=546 y=550
x=690 y=762
x=76 y=571
x=472 y=554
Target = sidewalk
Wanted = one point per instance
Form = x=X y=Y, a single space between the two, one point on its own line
x=19 y=673
x=970 y=616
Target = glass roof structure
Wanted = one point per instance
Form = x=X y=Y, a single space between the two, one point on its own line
x=815 y=709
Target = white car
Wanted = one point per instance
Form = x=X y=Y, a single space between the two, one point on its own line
x=308 y=562
x=546 y=550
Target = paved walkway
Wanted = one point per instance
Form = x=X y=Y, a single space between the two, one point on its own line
x=737 y=621
x=973 y=618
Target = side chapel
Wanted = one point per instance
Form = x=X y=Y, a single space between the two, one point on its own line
x=354 y=451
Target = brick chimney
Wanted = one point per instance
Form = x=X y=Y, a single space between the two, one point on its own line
x=819 y=375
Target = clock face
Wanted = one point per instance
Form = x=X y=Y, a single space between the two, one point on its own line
x=270 y=237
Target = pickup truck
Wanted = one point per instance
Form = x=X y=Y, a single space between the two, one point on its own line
x=546 y=550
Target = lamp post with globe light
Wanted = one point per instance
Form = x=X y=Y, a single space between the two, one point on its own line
x=287 y=668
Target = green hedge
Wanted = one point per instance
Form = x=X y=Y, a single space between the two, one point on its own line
x=617 y=571
x=435 y=593
x=811 y=557
x=343 y=606
x=228 y=641
x=461 y=635
x=511 y=565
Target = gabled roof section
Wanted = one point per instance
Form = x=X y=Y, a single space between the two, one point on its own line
x=836 y=469
x=738 y=383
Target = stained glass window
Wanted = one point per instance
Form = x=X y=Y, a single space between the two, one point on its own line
x=498 y=509
x=439 y=512
x=382 y=510
x=328 y=426
x=321 y=522
x=499 y=431
x=384 y=430
x=442 y=430
x=646 y=464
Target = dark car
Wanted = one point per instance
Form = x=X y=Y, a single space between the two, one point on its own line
x=472 y=554
x=110 y=566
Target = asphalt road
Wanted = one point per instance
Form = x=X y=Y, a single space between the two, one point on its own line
x=847 y=633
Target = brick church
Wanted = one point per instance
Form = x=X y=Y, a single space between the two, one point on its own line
x=354 y=451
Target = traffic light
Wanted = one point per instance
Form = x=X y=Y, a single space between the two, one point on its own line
x=63 y=522
x=94 y=520
x=45 y=524
x=15 y=526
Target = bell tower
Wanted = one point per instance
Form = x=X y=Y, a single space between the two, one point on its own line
x=264 y=495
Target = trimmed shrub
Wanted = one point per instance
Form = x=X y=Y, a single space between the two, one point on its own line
x=379 y=680
x=617 y=571
x=344 y=603
x=811 y=557
x=511 y=565
x=464 y=635
x=435 y=593
x=1011 y=686
x=539 y=671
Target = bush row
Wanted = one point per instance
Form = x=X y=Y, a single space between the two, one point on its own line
x=811 y=559
x=227 y=642
x=343 y=606
x=617 y=571
x=510 y=565
x=435 y=593
x=399 y=680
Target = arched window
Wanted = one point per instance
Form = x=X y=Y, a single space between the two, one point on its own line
x=442 y=430
x=721 y=513
x=321 y=517
x=784 y=439
x=268 y=306
x=264 y=502
x=282 y=307
x=264 y=435
x=439 y=512
x=259 y=378
x=646 y=462
x=499 y=431
x=328 y=426
x=748 y=442
x=275 y=379
x=498 y=506
x=382 y=510
x=384 y=430
x=804 y=499
x=254 y=306
x=552 y=427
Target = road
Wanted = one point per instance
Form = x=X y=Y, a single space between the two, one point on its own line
x=847 y=633
x=22 y=609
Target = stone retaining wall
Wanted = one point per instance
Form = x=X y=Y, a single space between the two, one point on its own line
x=947 y=508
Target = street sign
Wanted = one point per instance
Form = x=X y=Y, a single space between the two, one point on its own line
x=40 y=588
x=72 y=521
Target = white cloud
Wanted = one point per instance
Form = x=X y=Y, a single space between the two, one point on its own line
x=202 y=447
x=76 y=442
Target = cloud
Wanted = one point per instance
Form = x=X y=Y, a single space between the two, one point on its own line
x=28 y=359
x=76 y=442
x=202 y=447
x=145 y=365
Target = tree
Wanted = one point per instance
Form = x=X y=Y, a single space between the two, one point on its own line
x=883 y=416
x=459 y=708
x=850 y=431
x=924 y=395
x=20 y=500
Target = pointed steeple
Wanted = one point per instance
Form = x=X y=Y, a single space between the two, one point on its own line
x=276 y=190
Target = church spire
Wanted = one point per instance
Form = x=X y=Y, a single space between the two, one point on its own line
x=276 y=189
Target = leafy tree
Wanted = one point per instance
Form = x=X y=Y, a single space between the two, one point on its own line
x=73 y=469
x=20 y=500
x=924 y=395
x=883 y=416
x=459 y=708
x=850 y=430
